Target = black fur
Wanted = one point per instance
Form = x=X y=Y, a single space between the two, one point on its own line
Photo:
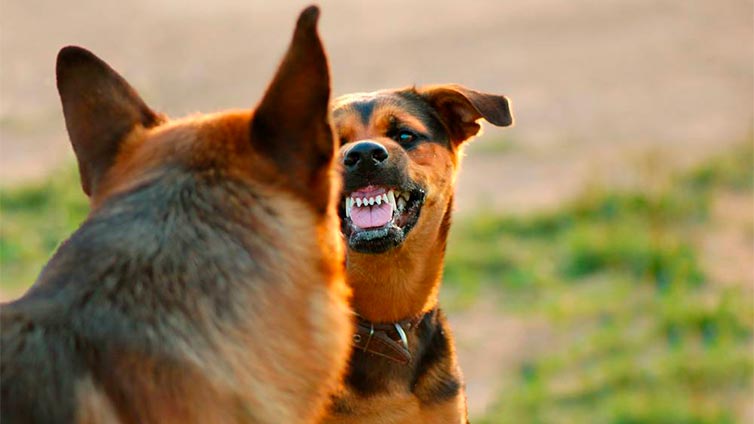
x=370 y=374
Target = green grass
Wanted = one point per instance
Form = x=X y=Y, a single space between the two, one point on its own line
x=644 y=336
x=34 y=220
x=642 y=333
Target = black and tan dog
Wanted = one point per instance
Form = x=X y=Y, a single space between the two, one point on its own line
x=206 y=285
x=401 y=150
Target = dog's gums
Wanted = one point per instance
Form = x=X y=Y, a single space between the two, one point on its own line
x=375 y=219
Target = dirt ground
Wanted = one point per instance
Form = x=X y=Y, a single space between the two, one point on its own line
x=598 y=86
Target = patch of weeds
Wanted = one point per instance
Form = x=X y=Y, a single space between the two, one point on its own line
x=644 y=336
x=35 y=220
x=732 y=170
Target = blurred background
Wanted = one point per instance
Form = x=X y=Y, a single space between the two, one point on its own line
x=601 y=263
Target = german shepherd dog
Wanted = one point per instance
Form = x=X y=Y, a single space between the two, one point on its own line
x=207 y=284
x=401 y=150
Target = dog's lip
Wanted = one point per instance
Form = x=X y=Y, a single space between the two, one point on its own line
x=375 y=190
x=369 y=191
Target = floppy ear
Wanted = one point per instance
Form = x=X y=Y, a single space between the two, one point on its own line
x=460 y=108
x=100 y=110
x=291 y=125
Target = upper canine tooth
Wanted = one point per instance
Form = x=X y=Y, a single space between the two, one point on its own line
x=378 y=200
x=406 y=195
x=390 y=198
x=348 y=207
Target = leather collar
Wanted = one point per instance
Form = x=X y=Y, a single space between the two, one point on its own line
x=386 y=340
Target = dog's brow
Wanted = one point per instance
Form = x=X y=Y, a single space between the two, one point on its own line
x=398 y=115
x=413 y=122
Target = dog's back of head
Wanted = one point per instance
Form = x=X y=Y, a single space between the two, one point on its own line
x=207 y=281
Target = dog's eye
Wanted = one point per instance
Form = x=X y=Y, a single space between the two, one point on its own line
x=405 y=136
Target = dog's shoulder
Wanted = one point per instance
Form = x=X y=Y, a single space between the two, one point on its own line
x=438 y=377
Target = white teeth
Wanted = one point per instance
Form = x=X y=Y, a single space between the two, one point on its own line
x=390 y=198
x=404 y=194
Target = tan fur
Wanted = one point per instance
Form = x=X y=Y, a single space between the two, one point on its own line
x=410 y=287
x=264 y=370
x=94 y=406
x=207 y=284
x=404 y=281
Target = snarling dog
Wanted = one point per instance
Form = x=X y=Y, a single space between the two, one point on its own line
x=206 y=285
x=401 y=150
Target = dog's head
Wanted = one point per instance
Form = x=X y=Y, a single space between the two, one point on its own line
x=219 y=228
x=400 y=150
x=286 y=144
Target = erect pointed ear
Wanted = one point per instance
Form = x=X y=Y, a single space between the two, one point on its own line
x=100 y=110
x=291 y=125
x=460 y=108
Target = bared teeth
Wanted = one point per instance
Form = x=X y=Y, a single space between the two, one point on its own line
x=397 y=199
x=401 y=202
x=349 y=204
x=390 y=198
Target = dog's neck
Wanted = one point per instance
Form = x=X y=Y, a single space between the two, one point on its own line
x=431 y=372
x=142 y=240
x=401 y=283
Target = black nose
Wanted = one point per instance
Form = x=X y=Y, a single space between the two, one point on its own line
x=365 y=154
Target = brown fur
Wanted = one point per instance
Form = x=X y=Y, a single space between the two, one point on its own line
x=207 y=283
x=403 y=281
